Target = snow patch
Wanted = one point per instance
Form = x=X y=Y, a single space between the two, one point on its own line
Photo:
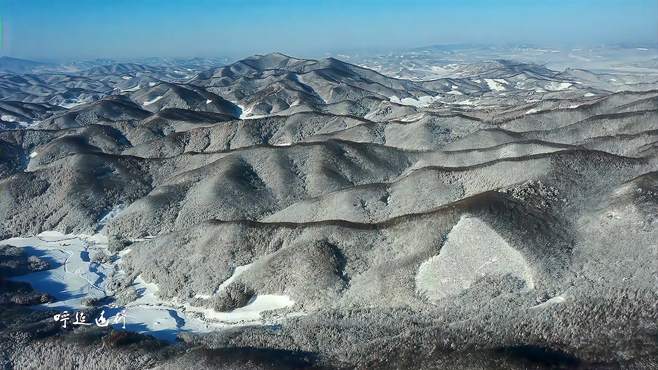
x=239 y=270
x=420 y=102
x=149 y=102
x=33 y=154
x=248 y=314
x=74 y=277
x=412 y=117
x=558 y=86
x=8 y=118
x=495 y=84
x=132 y=89
x=251 y=313
x=111 y=214
x=246 y=113
x=466 y=102
x=472 y=250
x=68 y=104
x=553 y=301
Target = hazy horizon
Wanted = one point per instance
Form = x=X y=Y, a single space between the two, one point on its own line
x=124 y=29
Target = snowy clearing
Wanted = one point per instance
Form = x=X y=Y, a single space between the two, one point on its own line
x=75 y=277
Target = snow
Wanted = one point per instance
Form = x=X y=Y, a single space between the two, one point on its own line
x=471 y=251
x=251 y=313
x=132 y=89
x=28 y=125
x=126 y=77
x=151 y=84
x=447 y=70
x=589 y=95
x=70 y=103
x=201 y=319
x=239 y=270
x=246 y=113
x=412 y=117
x=110 y=215
x=495 y=84
x=149 y=102
x=208 y=101
x=8 y=118
x=553 y=301
x=466 y=102
x=531 y=111
x=75 y=277
x=33 y=154
x=149 y=315
x=455 y=91
x=558 y=86
x=301 y=81
x=420 y=102
x=236 y=272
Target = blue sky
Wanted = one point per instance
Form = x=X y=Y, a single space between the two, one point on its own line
x=54 y=29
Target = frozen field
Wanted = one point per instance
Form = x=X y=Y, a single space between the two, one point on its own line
x=76 y=278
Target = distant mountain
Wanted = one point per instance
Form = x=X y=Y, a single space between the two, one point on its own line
x=119 y=68
x=15 y=65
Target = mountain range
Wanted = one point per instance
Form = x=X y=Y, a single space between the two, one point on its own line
x=501 y=216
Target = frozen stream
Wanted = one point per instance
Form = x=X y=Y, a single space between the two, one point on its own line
x=74 y=278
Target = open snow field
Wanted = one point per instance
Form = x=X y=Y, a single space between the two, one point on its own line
x=75 y=278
